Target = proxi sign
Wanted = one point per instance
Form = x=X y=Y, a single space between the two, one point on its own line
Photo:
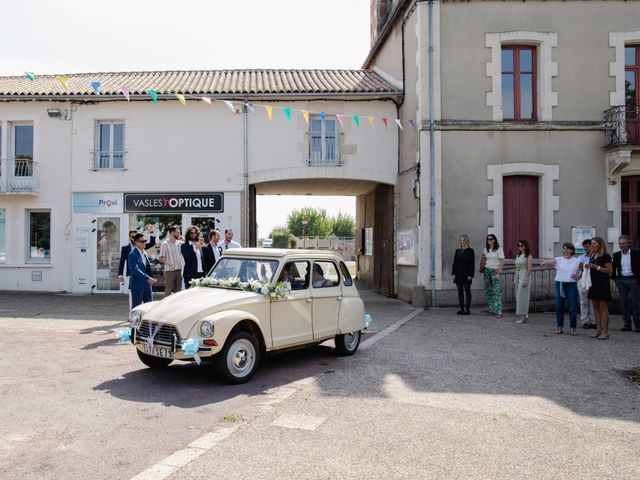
x=174 y=202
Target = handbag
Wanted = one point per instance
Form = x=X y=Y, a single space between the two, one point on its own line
x=483 y=262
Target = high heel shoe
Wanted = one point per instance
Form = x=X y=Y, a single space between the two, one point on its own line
x=604 y=336
x=596 y=335
x=523 y=319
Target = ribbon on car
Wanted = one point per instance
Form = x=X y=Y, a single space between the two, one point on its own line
x=124 y=335
x=153 y=331
x=368 y=320
x=190 y=347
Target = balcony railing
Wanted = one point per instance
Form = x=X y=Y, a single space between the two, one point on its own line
x=108 y=160
x=324 y=150
x=622 y=126
x=19 y=175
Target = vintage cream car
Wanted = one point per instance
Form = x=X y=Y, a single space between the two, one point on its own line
x=257 y=300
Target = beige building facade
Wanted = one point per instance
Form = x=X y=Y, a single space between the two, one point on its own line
x=511 y=98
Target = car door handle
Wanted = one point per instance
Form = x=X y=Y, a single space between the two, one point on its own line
x=339 y=297
x=309 y=300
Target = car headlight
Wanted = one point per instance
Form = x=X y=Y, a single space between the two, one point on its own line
x=136 y=318
x=206 y=329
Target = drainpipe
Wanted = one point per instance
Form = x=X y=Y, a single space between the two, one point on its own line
x=245 y=129
x=432 y=163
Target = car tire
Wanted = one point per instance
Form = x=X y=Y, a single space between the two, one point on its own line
x=153 y=362
x=239 y=358
x=348 y=343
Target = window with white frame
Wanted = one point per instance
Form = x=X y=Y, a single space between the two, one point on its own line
x=22 y=149
x=324 y=141
x=39 y=236
x=3 y=245
x=109 y=145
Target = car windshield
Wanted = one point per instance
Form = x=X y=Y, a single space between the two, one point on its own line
x=245 y=269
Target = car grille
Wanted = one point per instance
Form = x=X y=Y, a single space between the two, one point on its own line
x=166 y=335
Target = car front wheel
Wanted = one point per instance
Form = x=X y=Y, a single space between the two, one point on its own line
x=239 y=358
x=153 y=362
x=348 y=343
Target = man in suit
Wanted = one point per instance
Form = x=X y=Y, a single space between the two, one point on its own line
x=124 y=255
x=211 y=252
x=626 y=275
x=192 y=253
x=140 y=268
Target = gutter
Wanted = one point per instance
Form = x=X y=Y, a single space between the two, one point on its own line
x=432 y=164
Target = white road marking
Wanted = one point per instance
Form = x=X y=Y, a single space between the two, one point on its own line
x=298 y=422
x=390 y=329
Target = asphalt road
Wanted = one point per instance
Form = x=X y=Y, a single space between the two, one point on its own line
x=438 y=396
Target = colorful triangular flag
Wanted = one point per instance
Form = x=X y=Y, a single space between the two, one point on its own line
x=125 y=92
x=154 y=95
x=399 y=124
x=287 y=112
x=413 y=123
x=386 y=124
x=250 y=107
x=339 y=118
x=305 y=114
x=356 y=120
x=64 y=81
x=371 y=122
x=269 y=110
x=230 y=105
x=30 y=75
x=206 y=100
x=181 y=99
x=96 y=87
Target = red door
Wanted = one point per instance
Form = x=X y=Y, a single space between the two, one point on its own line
x=520 y=213
x=630 y=199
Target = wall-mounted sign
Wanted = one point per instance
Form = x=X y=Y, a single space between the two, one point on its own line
x=97 y=203
x=174 y=202
x=580 y=234
x=407 y=241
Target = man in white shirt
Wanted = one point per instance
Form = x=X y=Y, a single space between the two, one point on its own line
x=626 y=275
x=212 y=250
x=173 y=261
x=228 y=241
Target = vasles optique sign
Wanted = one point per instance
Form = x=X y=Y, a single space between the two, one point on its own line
x=174 y=202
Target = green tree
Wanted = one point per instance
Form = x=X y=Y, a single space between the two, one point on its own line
x=282 y=238
x=318 y=223
x=344 y=225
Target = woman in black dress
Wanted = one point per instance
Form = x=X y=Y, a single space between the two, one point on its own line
x=462 y=270
x=600 y=290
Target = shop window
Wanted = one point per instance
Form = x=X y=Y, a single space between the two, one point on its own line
x=39 y=247
x=109 y=150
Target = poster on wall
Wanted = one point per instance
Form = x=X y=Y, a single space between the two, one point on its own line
x=580 y=234
x=407 y=240
x=108 y=254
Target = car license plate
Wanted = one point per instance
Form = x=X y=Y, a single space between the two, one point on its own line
x=163 y=352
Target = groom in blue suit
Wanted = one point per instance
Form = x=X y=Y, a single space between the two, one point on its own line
x=141 y=277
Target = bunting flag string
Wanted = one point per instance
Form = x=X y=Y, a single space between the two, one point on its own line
x=250 y=107
x=64 y=81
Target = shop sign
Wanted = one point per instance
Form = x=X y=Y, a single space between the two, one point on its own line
x=97 y=203
x=170 y=202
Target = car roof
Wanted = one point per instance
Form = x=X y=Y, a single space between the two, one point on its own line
x=280 y=253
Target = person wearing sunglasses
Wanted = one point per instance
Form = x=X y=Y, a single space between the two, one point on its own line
x=141 y=276
x=524 y=266
x=494 y=263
